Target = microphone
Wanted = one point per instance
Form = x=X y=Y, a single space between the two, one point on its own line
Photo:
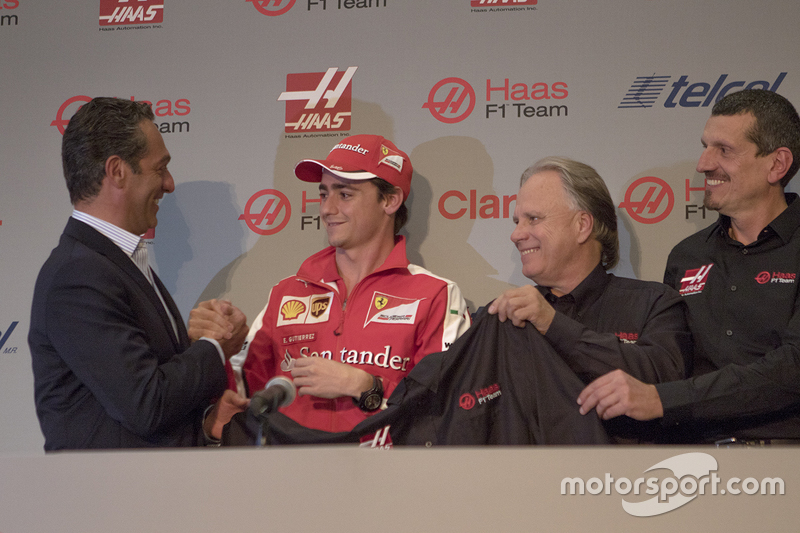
x=278 y=392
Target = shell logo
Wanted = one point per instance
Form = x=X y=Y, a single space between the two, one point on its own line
x=292 y=309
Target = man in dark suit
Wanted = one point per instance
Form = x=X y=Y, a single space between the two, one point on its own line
x=113 y=365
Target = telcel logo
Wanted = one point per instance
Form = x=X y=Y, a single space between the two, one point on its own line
x=645 y=90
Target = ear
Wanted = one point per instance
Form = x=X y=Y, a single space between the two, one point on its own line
x=116 y=171
x=781 y=161
x=585 y=224
x=393 y=201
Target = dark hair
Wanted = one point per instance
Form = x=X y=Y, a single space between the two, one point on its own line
x=587 y=191
x=777 y=123
x=99 y=129
x=385 y=189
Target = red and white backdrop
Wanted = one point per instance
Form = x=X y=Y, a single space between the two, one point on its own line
x=474 y=90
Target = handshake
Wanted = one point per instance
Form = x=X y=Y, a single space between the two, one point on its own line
x=219 y=320
x=225 y=323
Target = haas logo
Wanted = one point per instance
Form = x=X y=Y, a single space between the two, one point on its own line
x=694 y=281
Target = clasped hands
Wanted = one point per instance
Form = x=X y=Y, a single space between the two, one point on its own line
x=219 y=320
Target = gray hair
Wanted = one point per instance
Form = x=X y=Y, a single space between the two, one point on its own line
x=586 y=191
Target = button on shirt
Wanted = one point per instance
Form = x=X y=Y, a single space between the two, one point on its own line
x=746 y=327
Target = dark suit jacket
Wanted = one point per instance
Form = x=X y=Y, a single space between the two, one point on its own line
x=108 y=370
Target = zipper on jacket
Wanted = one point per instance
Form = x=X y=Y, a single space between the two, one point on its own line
x=340 y=328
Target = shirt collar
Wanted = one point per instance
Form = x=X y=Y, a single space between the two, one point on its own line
x=126 y=240
x=784 y=225
x=588 y=290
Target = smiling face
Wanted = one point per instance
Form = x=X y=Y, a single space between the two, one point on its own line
x=547 y=234
x=149 y=185
x=736 y=179
x=354 y=215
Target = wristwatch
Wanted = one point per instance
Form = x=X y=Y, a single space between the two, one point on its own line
x=371 y=399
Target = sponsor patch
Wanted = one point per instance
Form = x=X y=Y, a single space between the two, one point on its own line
x=294 y=339
x=380 y=440
x=775 y=277
x=391 y=158
x=694 y=281
x=627 y=338
x=388 y=309
x=312 y=309
x=481 y=396
x=288 y=362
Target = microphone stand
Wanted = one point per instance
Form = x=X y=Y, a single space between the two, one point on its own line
x=263 y=438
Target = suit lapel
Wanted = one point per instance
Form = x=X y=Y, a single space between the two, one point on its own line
x=183 y=338
x=104 y=246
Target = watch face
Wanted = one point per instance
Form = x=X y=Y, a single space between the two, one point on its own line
x=372 y=402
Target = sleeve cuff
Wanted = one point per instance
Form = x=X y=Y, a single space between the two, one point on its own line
x=219 y=349
x=563 y=333
x=675 y=409
x=210 y=441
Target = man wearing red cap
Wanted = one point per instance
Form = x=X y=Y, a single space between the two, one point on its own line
x=357 y=316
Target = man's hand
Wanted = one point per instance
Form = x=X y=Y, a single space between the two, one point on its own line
x=617 y=393
x=317 y=376
x=219 y=320
x=222 y=412
x=523 y=304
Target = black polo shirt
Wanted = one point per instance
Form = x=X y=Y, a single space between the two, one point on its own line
x=743 y=312
x=608 y=322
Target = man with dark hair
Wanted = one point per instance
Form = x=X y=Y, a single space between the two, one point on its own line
x=566 y=233
x=739 y=280
x=112 y=362
x=357 y=317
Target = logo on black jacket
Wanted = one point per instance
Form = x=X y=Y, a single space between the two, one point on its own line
x=694 y=281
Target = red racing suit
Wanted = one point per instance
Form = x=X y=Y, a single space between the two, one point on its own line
x=390 y=320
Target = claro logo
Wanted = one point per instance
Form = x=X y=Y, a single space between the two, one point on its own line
x=457 y=204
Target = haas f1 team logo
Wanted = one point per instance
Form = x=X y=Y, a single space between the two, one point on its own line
x=694 y=281
x=318 y=101
x=451 y=100
x=272 y=8
x=775 y=277
x=648 y=200
x=73 y=104
x=123 y=12
x=267 y=212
